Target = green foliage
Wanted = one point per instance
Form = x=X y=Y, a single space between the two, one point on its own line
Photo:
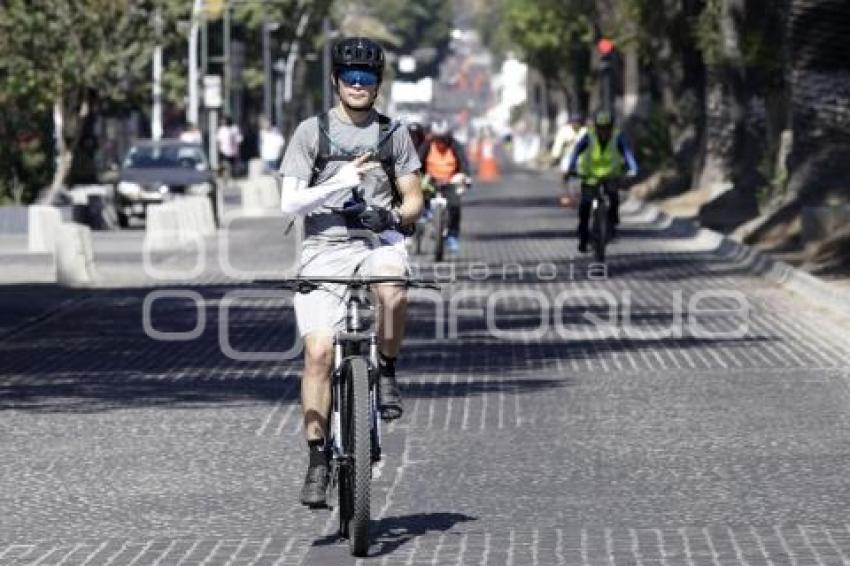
x=545 y=32
x=401 y=25
x=69 y=53
x=652 y=142
x=709 y=33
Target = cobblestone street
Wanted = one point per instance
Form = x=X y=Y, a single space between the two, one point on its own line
x=682 y=410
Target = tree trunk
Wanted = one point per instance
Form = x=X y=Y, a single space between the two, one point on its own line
x=819 y=164
x=729 y=177
x=65 y=150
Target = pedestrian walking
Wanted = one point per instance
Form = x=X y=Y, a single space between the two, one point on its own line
x=570 y=131
x=229 y=138
x=271 y=145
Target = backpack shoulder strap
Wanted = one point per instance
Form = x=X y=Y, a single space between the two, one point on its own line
x=323 y=147
x=386 y=129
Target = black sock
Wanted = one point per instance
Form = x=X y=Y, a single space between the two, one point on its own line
x=317 y=452
x=387 y=365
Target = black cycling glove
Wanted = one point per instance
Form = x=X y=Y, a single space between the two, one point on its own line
x=354 y=206
x=378 y=219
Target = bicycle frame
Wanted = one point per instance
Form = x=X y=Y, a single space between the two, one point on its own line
x=599 y=208
x=354 y=376
x=601 y=196
x=346 y=344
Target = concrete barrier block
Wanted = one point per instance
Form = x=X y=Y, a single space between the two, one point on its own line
x=260 y=196
x=186 y=220
x=208 y=217
x=178 y=223
x=256 y=168
x=199 y=215
x=43 y=222
x=162 y=227
x=74 y=255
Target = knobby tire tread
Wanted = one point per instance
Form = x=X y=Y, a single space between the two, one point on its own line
x=361 y=452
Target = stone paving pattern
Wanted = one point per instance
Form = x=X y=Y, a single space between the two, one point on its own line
x=524 y=448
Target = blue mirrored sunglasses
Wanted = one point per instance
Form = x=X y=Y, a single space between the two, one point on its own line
x=359 y=77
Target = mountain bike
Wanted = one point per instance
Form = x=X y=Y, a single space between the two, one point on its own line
x=600 y=230
x=440 y=220
x=354 y=431
x=433 y=224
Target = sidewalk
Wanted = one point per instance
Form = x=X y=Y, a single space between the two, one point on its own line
x=790 y=263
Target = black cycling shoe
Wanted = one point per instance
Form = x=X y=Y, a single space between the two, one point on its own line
x=389 y=398
x=314 y=492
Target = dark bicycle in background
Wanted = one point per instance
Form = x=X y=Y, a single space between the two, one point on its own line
x=600 y=228
x=354 y=429
x=433 y=225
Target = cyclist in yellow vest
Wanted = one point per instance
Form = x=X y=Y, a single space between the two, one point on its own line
x=601 y=153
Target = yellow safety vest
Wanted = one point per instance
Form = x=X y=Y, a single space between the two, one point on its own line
x=597 y=162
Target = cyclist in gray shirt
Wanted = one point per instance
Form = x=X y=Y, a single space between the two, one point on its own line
x=353 y=175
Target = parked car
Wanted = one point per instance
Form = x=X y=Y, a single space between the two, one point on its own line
x=155 y=171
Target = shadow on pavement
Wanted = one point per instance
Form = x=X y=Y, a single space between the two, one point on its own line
x=391 y=533
x=676 y=229
x=94 y=355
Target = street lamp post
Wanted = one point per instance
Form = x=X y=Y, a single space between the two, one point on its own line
x=267 y=65
x=227 y=63
x=326 y=64
x=606 y=52
x=156 y=113
x=192 y=108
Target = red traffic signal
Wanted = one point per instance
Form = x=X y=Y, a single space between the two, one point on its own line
x=605 y=46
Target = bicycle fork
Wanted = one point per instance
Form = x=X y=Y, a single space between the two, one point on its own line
x=339 y=458
x=374 y=375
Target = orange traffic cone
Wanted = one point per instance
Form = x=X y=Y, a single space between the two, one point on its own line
x=473 y=153
x=488 y=168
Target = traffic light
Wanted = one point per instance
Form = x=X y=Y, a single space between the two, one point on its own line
x=605 y=46
x=213 y=8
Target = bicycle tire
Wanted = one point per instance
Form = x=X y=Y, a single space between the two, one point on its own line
x=439 y=237
x=359 y=448
x=343 y=474
x=600 y=233
x=417 y=239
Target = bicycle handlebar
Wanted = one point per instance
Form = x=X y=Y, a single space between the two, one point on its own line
x=307 y=284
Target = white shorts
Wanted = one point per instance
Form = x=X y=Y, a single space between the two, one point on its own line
x=323 y=310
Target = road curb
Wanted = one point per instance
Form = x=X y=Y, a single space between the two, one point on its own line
x=776 y=271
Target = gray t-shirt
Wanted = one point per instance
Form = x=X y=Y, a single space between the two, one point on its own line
x=347 y=140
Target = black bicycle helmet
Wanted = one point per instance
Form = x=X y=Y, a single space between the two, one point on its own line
x=358 y=52
x=603 y=119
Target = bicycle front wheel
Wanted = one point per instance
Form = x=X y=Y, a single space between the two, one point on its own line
x=358 y=439
x=600 y=232
x=439 y=233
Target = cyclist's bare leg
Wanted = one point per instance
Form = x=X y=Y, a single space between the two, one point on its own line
x=392 y=316
x=392 y=311
x=316 y=384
